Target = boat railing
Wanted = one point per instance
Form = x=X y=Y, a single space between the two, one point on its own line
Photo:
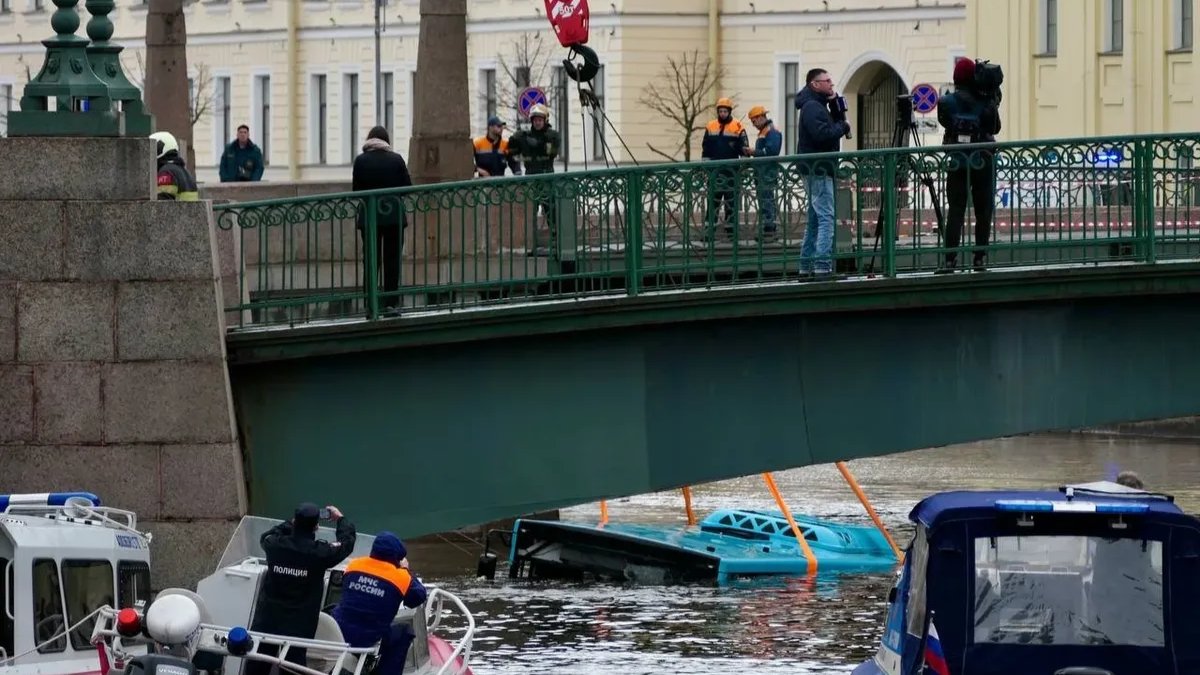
x=108 y=516
x=215 y=639
x=435 y=611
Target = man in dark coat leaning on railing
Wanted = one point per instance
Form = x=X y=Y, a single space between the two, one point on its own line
x=376 y=168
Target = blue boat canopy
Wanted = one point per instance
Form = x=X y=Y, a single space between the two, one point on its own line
x=1095 y=576
x=974 y=504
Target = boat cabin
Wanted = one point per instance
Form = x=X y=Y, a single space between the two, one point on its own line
x=64 y=556
x=1095 y=579
x=227 y=596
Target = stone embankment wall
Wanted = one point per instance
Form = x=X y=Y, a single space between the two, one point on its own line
x=112 y=352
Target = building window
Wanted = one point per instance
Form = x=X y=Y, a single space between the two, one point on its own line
x=411 y=114
x=562 y=102
x=224 y=87
x=1116 y=26
x=487 y=93
x=1049 y=37
x=192 y=100
x=350 y=108
x=47 y=603
x=6 y=106
x=88 y=586
x=388 y=88
x=598 y=144
x=320 y=119
x=5 y=6
x=262 y=115
x=789 y=86
x=1184 y=25
x=39 y=5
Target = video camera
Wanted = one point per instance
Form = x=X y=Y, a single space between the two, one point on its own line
x=988 y=78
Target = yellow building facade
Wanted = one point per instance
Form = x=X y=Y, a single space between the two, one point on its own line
x=1090 y=67
x=301 y=73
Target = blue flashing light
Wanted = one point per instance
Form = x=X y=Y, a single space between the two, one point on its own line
x=1113 y=507
x=239 y=641
x=45 y=499
x=1024 y=505
x=1076 y=506
x=60 y=498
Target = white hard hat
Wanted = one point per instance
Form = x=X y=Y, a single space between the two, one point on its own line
x=166 y=142
x=539 y=110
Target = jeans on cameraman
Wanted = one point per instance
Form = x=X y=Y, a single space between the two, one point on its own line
x=972 y=175
x=818 y=233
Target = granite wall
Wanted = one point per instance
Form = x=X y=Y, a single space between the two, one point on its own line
x=112 y=351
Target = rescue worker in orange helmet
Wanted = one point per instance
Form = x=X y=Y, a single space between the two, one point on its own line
x=724 y=138
x=766 y=175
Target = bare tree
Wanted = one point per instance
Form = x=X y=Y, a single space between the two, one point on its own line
x=526 y=67
x=202 y=95
x=166 y=85
x=681 y=93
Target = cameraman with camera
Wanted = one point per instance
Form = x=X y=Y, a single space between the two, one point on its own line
x=971 y=115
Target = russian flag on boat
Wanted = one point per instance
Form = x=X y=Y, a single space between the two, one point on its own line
x=935 y=659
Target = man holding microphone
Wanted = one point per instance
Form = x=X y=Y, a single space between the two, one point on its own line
x=818 y=133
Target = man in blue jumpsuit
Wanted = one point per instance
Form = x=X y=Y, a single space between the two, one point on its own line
x=766 y=176
x=373 y=588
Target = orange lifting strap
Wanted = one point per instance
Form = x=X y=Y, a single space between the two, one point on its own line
x=808 y=554
x=687 y=505
x=862 y=497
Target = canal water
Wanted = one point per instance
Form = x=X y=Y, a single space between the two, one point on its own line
x=783 y=626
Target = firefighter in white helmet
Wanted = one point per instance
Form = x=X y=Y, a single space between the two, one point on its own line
x=175 y=182
x=538 y=147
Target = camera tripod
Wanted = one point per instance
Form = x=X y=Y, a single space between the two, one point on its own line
x=906 y=126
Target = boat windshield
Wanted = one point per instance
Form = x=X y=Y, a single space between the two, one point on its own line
x=1068 y=590
x=245 y=540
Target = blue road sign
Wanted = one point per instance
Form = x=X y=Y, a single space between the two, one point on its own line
x=925 y=98
x=529 y=97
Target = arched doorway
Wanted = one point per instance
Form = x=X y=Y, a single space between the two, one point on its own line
x=872 y=90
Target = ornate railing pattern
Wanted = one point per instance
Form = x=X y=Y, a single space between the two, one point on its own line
x=662 y=227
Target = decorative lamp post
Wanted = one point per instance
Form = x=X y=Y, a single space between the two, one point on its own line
x=85 y=105
x=105 y=60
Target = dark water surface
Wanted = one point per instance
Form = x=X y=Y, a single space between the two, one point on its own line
x=781 y=626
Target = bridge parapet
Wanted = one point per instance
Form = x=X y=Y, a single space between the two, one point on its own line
x=640 y=229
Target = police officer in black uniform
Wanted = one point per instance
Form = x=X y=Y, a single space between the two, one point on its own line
x=293 y=585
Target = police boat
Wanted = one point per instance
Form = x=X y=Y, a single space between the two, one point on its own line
x=729 y=544
x=1090 y=579
x=225 y=600
x=65 y=556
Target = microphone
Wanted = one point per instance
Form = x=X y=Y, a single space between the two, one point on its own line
x=838 y=107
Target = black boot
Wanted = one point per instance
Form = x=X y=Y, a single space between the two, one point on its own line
x=949 y=266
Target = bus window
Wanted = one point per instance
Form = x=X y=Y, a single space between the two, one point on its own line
x=48 y=619
x=88 y=586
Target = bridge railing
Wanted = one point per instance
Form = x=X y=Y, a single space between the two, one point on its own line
x=699 y=225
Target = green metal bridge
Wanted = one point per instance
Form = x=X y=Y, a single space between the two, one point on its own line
x=636 y=346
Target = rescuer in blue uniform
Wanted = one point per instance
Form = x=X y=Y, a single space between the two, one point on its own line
x=373 y=588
